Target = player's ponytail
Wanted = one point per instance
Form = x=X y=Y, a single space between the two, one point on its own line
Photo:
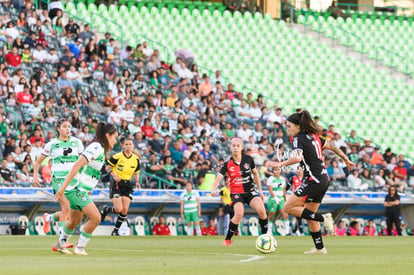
x=305 y=121
x=100 y=134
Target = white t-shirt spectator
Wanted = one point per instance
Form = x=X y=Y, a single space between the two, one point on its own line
x=52 y=58
x=128 y=115
x=147 y=51
x=114 y=117
x=12 y=32
x=73 y=75
x=184 y=73
x=273 y=117
x=40 y=56
x=256 y=113
x=244 y=134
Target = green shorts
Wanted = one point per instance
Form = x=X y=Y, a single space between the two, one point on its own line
x=191 y=217
x=78 y=199
x=57 y=183
x=273 y=206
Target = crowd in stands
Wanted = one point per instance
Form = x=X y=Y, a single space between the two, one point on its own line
x=359 y=227
x=180 y=119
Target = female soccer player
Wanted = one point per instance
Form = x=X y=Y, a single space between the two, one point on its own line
x=307 y=149
x=190 y=209
x=124 y=165
x=64 y=151
x=239 y=169
x=277 y=189
x=81 y=179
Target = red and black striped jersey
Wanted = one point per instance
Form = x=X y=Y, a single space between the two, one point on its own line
x=239 y=175
x=310 y=145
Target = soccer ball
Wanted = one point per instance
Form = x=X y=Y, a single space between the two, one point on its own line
x=266 y=244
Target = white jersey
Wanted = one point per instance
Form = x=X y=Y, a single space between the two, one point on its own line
x=64 y=154
x=89 y=175
x=277 y=185
x=190 y=201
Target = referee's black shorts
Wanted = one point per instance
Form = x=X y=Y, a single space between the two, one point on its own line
x=123 y=188
x=313 y=191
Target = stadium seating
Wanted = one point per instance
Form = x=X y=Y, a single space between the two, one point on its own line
x=288 y=67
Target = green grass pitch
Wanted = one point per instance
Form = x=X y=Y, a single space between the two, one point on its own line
x=205 y=255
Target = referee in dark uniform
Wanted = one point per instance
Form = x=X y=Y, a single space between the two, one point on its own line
x=392 y=210
x=124 y=166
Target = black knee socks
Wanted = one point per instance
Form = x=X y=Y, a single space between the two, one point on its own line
x=310 y=215
x=232 y=230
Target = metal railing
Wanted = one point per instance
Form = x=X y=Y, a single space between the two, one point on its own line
x=160 y=180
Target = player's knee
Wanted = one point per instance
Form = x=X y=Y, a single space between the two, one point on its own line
x=95 y=219
x=118 y=209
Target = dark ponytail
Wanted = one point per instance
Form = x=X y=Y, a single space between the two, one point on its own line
x=305 y=121
x=100 y=134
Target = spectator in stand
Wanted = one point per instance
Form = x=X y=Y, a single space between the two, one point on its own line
x=13 y=59
x=380 y=181
x=355 y=183
x=367 y=180
x=146 y=50
x=147 y=129
x=388 y=155
x=23 y=177
x=87 y=34
x=114 y=116
x=72 y=28
x=376 y=158
x=161 y=228
x=6 y=173
x=400 y=173
x=205 y=87
x=370 y=229
x=34 y=112
x=39 y=55
x=108 y=69
x=392 y=210
x=336 y=173
x=24 y=98
x=184 y=73
x=46 y=172
x=407 y=164
x=244 y=133
x=352 y=140
x=340 y=229
x=353 y=229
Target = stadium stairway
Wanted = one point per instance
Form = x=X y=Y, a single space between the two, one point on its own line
x=353 y=53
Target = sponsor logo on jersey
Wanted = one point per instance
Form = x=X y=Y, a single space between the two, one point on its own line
x=231 y=169
x=246 y=166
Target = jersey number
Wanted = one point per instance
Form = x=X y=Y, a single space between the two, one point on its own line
x=318 y=149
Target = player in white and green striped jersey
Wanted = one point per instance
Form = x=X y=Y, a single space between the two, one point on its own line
x=81 y=179
x=64 y=152
x=191 y=209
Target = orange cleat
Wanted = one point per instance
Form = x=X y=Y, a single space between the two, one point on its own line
x=226 y=243
x=56 y=247
x=68 y=245
x=46 y=224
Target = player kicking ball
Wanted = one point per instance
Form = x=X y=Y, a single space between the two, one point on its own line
x=307 y=149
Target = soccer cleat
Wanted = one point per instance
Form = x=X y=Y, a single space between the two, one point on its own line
x=226 y=243
x=115 y=233
x=68 y=245
x=317 y=251
x=57 y=248
x=80 y=251
x=328 y=222
x=46 y=224
x=104 y=212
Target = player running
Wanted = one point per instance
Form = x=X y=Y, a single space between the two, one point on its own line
x=191 y=209
x=239 y=169
x=81 y=179
x=305 y=201
x=124 y=165
x=277 y=189
x=64 y=151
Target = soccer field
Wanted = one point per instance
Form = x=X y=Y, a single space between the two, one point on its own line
x=205 y=255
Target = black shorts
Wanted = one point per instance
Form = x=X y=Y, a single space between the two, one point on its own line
x=244 y=198
x=312 y=191
x=122 y=188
